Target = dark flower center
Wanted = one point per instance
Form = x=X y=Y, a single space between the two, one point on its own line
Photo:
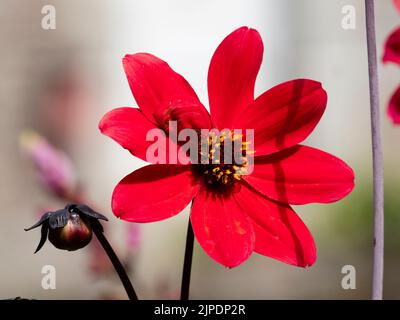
x=223 y=159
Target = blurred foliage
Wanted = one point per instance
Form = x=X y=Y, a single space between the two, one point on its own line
x=354 y=219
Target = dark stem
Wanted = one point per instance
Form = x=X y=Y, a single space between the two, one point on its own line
x=377 y=277
x=116 y=263
x=187 y=263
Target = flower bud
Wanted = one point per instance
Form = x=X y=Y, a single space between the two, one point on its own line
x=70 y=228
x=75 y=235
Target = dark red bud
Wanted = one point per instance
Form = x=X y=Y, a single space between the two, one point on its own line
x=69 y=228
x=76 y=234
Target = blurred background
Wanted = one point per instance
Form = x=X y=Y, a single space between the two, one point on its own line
x=60 y=82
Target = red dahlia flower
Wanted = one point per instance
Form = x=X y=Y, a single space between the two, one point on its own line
x=231 y=216
x=392 y=54
x=392 y=48
x=394 y=107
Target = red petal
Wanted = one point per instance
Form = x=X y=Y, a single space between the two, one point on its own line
x=302 y=175
x=186 y=115
x=155 y=86
x=279 y=232
x=128 y=127
x=392 y=48
x=284 y=115
x=397 y=4
x=394 y=107
x=154 y=193
x=222 y=229
x=232 y=75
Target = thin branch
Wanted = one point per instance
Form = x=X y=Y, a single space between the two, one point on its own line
x=377 y=277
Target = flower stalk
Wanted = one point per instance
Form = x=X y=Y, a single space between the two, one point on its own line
x=187 y=263
x=377 y=154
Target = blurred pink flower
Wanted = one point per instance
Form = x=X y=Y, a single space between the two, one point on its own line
x=54 y=169
x=99 y=263
x=133 y=236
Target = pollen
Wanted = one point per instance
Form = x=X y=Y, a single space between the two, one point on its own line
x=227 y=159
